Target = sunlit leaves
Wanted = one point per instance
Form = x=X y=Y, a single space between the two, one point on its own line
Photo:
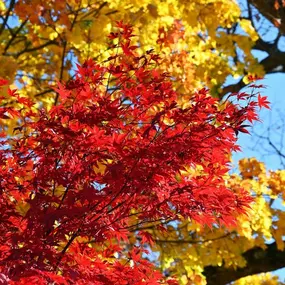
x=45 y=42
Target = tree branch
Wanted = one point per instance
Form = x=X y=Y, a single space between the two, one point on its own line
x=14 y=36
x=181 y=241
x=257 y=261
x=233 y=88
x=273 y=63
x=11 y=6
x=44 y=92
x=269 y=11
x=261 y=45
x=48 y=43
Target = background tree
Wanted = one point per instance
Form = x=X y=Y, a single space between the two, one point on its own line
x=41 y=40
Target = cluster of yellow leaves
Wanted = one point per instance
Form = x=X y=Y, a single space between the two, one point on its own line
x=187 y=248
x=260 y=279
x=250 y=168
x=8 y=67
x=50 y=36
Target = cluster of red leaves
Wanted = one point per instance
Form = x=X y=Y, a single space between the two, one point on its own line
x=105 y=154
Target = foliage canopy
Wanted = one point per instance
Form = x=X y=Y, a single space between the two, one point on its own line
x=105 y=119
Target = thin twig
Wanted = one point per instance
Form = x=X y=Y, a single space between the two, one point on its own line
x=11 y=6
x=14 y=36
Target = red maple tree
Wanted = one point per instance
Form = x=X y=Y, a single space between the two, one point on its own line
x=73 y=178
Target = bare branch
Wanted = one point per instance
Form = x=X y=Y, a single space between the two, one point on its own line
x=14 y=36
x=160 y=241
x=268 y=10
x=53 y=42
x=11 y=6
x=233 y=88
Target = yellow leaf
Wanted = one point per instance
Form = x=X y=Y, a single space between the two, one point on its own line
x=59 y=190
x=2 y=6
x=100 y=168
x=249 y=29
x=22 y=208
x=184 y=280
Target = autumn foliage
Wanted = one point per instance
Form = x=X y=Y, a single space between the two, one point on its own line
x=202 y=42
x=114 y=148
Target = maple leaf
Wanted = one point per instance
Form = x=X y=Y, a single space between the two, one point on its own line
x=3 y=82
x=146 y=238
x=262 y=102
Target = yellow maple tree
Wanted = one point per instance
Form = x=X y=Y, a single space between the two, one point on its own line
x=40 y=41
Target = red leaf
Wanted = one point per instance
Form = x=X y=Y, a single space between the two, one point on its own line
x=3 y=82
x=146 y=237
x=262 y=102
